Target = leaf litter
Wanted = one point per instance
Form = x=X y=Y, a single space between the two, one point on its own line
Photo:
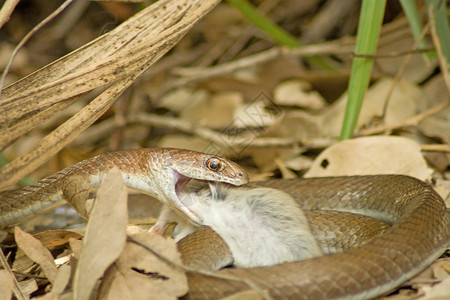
x=287 y=114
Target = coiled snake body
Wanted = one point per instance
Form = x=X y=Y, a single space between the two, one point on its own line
x=419 y=234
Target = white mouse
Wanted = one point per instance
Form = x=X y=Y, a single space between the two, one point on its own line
x=262 y=226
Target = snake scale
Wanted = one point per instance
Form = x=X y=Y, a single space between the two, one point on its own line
x=419 y=234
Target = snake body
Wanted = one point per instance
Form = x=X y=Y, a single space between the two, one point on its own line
x=419 y=234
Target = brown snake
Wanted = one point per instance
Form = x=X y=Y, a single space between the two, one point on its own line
x=419 y=234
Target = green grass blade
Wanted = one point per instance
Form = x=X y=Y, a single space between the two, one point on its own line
x=442 y=26
x=276 y=32
x=412 y=14
x=369 y=26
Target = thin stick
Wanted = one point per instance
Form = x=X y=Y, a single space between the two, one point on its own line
x=435 y=148
x=441 y=57
x=17 y=291
x=27 y=37
x=408 y=122
x=224 y=139
x=402 y=68
x=7 y=10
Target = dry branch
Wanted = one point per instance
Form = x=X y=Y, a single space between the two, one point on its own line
x=114 y=59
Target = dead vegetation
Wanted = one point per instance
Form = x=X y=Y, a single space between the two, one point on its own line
x=105 y=76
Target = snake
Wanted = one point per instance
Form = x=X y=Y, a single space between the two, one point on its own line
x=418 y=234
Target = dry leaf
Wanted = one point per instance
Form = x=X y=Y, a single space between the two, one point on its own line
x=183 y=141
x=105 y=234
x=265 y=160
x=437 y=125
x=53 y=238
x=244 y=295
x=115 y=285
x=416 y=70
x=297 y=124
x=178 y=99
x=402 y=105
x=214 y=112
x=443 y=189
x=61 y=281
x=299 y=163
x=138 y=273
x=37 y=252
x=440 y=291
x=254 y=114
x=28 y=286
x=371 y=155
x=6 y=283
x=285 y=172
x=296 y=92
x=76 y=246
x=3 y=234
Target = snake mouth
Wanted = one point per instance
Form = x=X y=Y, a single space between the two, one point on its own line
x=186 y=190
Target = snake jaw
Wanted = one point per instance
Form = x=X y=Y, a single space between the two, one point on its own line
x=184 y=199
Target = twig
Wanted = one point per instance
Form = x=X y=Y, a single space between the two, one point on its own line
x=435 y=148
x=198 y=74
x=408 y=122
x=224 y=140
x=6 y=11
x=396 y=54
x=441 y=57
x=401 y=69
x=17 y=291
x=27 y=37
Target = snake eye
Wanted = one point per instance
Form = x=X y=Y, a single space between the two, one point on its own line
x=214 y=164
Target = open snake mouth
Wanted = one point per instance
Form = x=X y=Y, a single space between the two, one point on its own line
x=186 y=190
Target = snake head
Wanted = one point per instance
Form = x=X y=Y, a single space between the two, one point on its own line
x=186 y=165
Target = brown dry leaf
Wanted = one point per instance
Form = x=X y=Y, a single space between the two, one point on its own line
x=22 y=262
x=417 y=70
x=76 y=246
x=177 y=100
x=402 y=105
x=214 y=112
x=183 y=141
x=285 y=172
x=443 y=189
x=306 y=125
x=296 y=92
x=299 y=163
x=371 y=155
x=297 y=124
x=433 y=273
x=244 y=295
x=115 y=285
x=437 y=125
x=34 y=249
x=61 y=281
x=105 y=234
x=265 y=160
x=441 y=268
x=253 y=114
x=28 y=286
x=53 y=238
x=440 y=291
x=138 y=273
x=6 y=282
